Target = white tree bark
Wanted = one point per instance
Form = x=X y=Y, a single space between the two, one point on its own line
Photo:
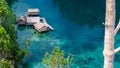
x=108 y=51
x=117 y=28
x=110 y=32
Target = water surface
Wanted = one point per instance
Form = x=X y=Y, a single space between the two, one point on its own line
x=84 y=42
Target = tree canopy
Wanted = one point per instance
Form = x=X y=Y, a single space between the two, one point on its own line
x=3 y=7
x=56 y=59
x=10 y=53
x=3 y=10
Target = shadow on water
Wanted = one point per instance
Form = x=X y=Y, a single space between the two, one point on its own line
x=11 y=2
x=84 y=12
x=31 y=28
x=41 y=35
x=21 y=28
x=88 y=46
x=24 y=27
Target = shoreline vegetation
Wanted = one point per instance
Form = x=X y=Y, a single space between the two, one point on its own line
x=11 y=56
x=10 y=53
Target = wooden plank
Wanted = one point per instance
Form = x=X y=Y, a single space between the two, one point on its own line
x=46 y=24
x=32 y=20
x=33 y=10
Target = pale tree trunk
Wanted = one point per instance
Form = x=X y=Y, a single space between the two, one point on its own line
x=110 y=32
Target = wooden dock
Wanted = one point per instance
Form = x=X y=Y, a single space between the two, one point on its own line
x=46 y=24
x=42 y=25
x=33 y=18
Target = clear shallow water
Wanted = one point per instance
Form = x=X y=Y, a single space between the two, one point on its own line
x=83 y=42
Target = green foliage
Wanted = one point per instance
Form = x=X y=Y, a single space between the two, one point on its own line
x=11 y=2
x=3 y=7
x=8 y=25
x=56 y=59
x=5 y=63
x=4 y=43
x=4 y=10
x=26 y=42
x=9 y=49
x=4 y=48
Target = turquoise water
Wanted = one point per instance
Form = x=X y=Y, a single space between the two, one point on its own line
x=82 y=41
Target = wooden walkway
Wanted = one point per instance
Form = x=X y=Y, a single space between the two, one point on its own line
x=46 y=24
x=40 y=24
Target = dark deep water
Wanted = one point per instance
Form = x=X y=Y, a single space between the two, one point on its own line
x=78 y=31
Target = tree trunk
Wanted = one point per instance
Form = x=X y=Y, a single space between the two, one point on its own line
x=109 y=34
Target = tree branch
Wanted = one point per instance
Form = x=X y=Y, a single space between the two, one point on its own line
x=117 y=28
x=117 y=50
